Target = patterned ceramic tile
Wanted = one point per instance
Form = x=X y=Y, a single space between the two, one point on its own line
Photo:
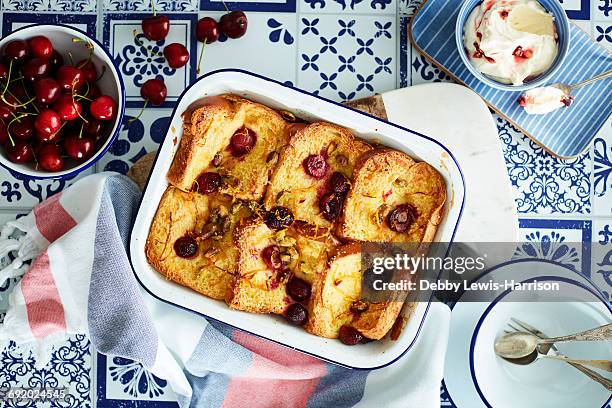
x=577 y=9
x=12 y=21
x=602 y=33
x=408 y=7
x=542 y=183
x=602 y=10
x=345 y=58
x=136 y=139
x=349 y=6
x=70 y=367
x=273 y=32
x=602 y=172
x=249 y=5
x=146 y=5
x=139 y=59
x=50 y=5
x=601 y=265
x=422 y=70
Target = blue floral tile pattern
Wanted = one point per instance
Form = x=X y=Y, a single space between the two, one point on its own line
x=70 y=367
x=544 y=184
x=50 y=5
x=350 y=6
x=346 y=58
x=146 y=5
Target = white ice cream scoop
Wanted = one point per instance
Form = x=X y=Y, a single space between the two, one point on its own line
x=539 y=101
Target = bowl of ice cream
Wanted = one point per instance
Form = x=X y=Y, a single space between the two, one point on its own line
x=512 y=45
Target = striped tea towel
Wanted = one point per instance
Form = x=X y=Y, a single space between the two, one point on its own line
x=80 y=281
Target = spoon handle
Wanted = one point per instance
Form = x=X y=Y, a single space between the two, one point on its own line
x=601 y=333
x=588 y=81
x=605 y=365
x=594 y=376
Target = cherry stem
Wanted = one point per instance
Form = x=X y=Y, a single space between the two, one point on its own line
x=81 y=131
x=225 y=5
x=8 y=80
x=201 y=55
x=153 y=7
x=71 y=59
x=130 y=121
x=101 y=74
x=8 y=127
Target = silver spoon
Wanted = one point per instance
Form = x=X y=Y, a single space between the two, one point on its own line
x=567 y=89
x=521 y=344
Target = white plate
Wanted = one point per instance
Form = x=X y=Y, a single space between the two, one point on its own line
x=311 y=108
x=475 y=377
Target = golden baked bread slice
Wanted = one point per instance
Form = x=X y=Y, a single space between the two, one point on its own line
x=333 y=294
x=293 y=187
x=210 y=131
x=209 y=221
x=258 y=287
x=386 y=181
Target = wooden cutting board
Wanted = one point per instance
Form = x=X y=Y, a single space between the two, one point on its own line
x=459 y=119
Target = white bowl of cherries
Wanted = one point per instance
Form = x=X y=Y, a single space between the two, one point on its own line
x=61 y=101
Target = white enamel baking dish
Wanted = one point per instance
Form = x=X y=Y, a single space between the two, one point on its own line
x=309 y=107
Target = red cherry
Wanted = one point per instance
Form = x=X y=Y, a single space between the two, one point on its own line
x=47 y=90
x=242 y=141
x=315 y=165
x=3 y=134
x=3 y=71
x=176 y=54
x=67 y=107
x=70 y=77
x=93 y=128
x=20 y=152
x=92 y=92
x=56 y=60
x=23 y=128
x=234 y=24
x=35 y=68
x=40 y=46
x=103 y=108
x=5 y=114
x=79 y=148
x=17 y=50
x=50 y=157
x=88 y=69
x=155 y=91
x=271 y=256
x=47 y=123
x=209 y=183
x=155 y=28
x=207 y=30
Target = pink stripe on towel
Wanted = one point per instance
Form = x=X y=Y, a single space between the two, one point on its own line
x=277 y=376
x=43 y=303
x=52 y=220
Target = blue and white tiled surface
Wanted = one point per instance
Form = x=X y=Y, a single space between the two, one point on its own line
x=340 y=49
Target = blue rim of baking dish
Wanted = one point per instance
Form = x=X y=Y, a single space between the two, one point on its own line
x=594 y=291
x=431 y=298
x=120 y=115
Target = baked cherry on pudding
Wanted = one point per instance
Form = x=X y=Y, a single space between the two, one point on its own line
x=315 y=165
x=298 y=289
x=272 y=257
x=331 y=206
x=401 y=218
x=339 y=183
x=242 y=141
x=349 y=335
x=186 y=247
x=209 y=183
x=278 y=218
x=297 y=314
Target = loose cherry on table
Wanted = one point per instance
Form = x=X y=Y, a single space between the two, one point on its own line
x=207 y=30
x=234 y=24
x=155 y=28
x=176 y=54
x=154 y=91
x=19 y=151
x=47 y=90
x=67 y=107
x=79 y=148
x=103 y=108
x=49 y=157
x=40 y=46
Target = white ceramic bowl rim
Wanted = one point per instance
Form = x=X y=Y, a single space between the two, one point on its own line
x=539 y=81
x=594 y=291
x=454 y=228
x=67 y=174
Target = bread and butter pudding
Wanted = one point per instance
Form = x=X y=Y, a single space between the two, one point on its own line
x=268 y=213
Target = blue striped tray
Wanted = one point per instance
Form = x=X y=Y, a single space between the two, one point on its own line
x=566 y=132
